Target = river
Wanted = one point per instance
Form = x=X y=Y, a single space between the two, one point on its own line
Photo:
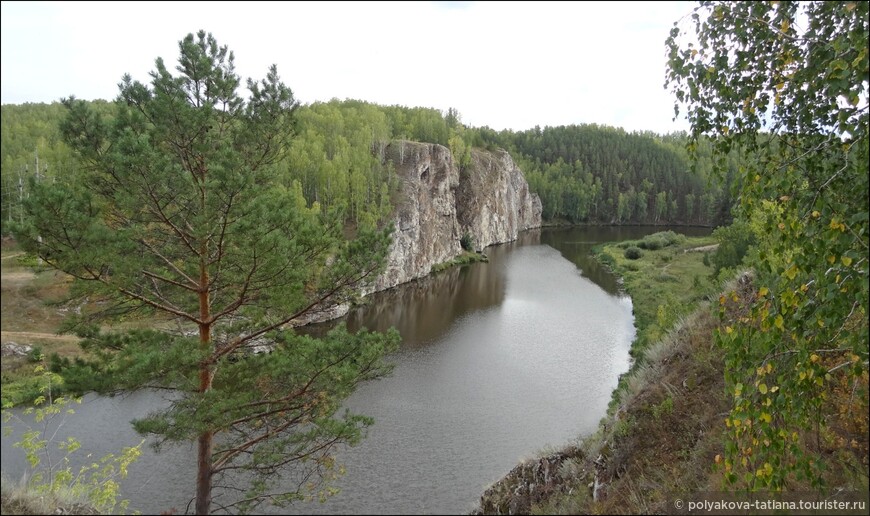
x=499 y=361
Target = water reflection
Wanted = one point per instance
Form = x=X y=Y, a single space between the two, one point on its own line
x=425 y=309
x=576 y=243
x=499 y=360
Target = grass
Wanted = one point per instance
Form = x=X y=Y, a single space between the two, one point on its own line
x=34 y=303
x=18 y=498
x=665 y=425
x=663 y=428
x=665 y=283
x=31 y=315
x=467 y=257
x=662 y=436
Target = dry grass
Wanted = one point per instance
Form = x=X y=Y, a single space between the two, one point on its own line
x=17 y=498
x=30 y=300
x=34 y=303
x=32 y=311
x=662 y=436
x=660 y=440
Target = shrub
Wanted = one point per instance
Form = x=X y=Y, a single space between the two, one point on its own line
x=35 y=355
x=93 y=489
x=467 y=242
x=670 y=237
x=633 y=253
x=653 y=243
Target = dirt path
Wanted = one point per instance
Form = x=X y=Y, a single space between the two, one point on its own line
x=12 y=335
x=702 y=249
x=18 y=276
x=13 y=255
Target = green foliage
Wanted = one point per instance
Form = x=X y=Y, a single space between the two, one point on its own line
x=661 y=291
x=53 y=476
x=735 y=242
x=633 y=253
x=591 y=173
x=664 y=408
x=466 y=258
x=788 y=82
x=31 y=142
x=35 y=355
x=338 y=158
x=467 y=242
x=184 y=207
x=652 y=243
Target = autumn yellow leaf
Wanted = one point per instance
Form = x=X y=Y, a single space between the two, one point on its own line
x=779 y=322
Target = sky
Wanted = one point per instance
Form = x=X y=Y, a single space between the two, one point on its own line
x=506 y=65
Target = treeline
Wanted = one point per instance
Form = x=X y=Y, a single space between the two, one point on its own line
x=584 y=174
x=337 y=155
x=600 y=174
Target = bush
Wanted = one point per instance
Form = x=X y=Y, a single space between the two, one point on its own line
x=664 y=277
x=606 y=259
x=653 y=243
x=633 y=253
x=35 y=355
x=670 y=237
x=467 y=242
x=734 y=244
x=93 y=489
x=660 y=240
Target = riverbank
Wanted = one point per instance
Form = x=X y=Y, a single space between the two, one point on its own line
x=664 y=433
x=465 y=388
x=653 y=431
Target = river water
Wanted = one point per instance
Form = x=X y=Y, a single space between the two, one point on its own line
x=499 y=361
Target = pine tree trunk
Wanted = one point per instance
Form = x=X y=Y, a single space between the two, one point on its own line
x=203 y=474
x=203 y=464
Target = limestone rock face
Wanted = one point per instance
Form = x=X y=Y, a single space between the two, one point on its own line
x=490 y=201
x=493 y=201
x=426 y=231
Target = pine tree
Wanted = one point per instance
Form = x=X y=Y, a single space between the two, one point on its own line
x=182 y=211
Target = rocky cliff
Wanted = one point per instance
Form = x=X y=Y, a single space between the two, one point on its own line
x=489 y=200
x=493 y=202
x=426 y=231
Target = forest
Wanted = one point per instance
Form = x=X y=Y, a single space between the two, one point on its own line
x=778 y=146
x=583 y=173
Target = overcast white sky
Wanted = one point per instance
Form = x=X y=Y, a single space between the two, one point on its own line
x=506 y=65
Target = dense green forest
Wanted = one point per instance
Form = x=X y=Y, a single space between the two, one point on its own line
x=599 y=174
x=584 y=174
